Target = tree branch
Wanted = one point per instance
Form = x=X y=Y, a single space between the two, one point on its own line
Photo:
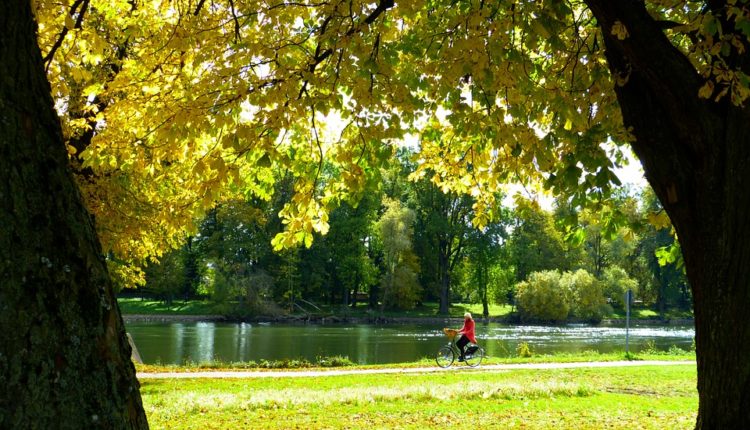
x=198 y=7
x=84 y=4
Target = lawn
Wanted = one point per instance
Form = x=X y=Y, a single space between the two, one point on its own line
x=155 y=307
x=613 y=398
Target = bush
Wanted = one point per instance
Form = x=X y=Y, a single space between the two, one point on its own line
x=523 y=350
x=542 y=298
x=587 y=295
x=616 y=282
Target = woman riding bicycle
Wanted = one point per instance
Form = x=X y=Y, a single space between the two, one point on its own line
x=467 y=335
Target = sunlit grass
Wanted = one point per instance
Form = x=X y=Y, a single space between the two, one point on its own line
x=156 y=307
x=617 y=398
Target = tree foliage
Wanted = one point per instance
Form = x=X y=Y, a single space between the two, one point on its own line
x=616 y=283
x=399 y=279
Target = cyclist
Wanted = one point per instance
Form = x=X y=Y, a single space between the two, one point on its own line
x=467 y=335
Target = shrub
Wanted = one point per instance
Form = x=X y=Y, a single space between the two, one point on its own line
x=523 y=350
x=616 y=282
x=541 y=297
x=587 y=295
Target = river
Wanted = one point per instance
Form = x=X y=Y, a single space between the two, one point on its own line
x=178 y=342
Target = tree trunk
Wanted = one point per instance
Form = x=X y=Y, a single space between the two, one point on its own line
x=64 y=356
x=696 y=154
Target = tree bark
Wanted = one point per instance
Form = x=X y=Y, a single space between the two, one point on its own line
x=695 y=153
x=64 y=356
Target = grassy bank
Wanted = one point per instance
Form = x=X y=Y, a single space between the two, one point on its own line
x=612 y=398
x=195 y=307
x=137 y=306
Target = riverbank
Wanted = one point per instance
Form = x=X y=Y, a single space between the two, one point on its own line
x=644 y=397
x=333 y=319
x=138 y=310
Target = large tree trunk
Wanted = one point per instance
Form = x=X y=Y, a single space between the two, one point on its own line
x=64 y=357
x=696 y=155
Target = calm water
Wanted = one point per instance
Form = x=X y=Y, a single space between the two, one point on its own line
x=370 y=344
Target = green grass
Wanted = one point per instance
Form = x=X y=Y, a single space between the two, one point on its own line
x=195 y=307
x=156 y=307
x=613 y=398
x=644 y=313
x=427 y=310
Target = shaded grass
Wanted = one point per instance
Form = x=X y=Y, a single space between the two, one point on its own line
x=618 y=398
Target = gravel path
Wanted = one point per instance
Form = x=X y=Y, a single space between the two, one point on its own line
x=339 y=372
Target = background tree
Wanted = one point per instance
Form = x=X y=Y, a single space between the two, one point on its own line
x=536 y=244
x=485 y=250
x=399 y=281
x=617 y=282
x=350 y=234
x=442 y=229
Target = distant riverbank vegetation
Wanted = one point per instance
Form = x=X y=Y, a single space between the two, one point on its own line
x=408 y=249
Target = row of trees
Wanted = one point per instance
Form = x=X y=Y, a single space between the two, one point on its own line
x=407 y=242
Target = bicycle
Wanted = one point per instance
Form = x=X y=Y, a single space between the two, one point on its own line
x=447 y=354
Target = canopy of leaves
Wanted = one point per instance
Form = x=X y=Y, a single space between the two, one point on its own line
x=169 y=106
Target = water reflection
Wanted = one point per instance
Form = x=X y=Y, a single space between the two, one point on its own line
x=369 y=344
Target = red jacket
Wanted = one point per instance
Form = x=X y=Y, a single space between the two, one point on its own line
x=468 y=330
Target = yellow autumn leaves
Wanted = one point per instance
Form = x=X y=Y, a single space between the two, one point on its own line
x=192 y=102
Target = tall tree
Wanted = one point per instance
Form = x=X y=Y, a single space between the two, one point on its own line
x=443 y=227
x=351 y=228
x=535 y=243
x=399 y=278
x=64 y=356
x=484 y=250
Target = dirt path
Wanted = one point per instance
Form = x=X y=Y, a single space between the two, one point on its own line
x=339 y=372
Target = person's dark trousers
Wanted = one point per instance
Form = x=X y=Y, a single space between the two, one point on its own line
x=461 y=344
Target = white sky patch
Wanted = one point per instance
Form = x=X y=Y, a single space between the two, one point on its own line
x=632 y=173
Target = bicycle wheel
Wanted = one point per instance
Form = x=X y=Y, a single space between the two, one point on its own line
x=475 y=358
x=445 y=356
